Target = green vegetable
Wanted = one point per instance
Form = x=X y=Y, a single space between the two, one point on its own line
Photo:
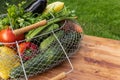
x=46 y=42
x=54 y=13
x=43 y=31
x=17 y=17
x=50 y=28
x=39 y=29
x=13 y=13
x=51 y=55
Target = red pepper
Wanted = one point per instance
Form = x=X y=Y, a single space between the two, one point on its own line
x=28 y=50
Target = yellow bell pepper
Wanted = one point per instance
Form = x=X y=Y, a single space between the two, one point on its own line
x=8 y=61
x=54 y=7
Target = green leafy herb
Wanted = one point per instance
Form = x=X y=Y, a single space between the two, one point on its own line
x=17 y=17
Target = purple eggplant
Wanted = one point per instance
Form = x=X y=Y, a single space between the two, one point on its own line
x=36 y=6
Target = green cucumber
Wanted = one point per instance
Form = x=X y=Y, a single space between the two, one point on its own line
x=46 y=42
x=52 y=56
x=50 y=28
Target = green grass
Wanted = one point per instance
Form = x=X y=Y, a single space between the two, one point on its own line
x=97 y=17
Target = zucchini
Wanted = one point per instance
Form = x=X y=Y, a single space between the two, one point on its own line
x=46 y=33
x=46 y=42
x=52 y=56
x=42 y=30
x=50 y=28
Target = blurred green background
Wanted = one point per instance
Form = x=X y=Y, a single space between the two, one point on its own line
x=97 y=17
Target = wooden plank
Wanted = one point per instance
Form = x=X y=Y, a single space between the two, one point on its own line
x=97 y=59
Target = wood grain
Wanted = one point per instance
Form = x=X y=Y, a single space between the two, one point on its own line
x=97 y=59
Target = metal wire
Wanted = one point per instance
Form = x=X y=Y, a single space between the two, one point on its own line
x=21 y=60
x=65 y=53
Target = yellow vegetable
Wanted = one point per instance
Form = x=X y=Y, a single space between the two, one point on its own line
x=8 y=61
x=54 y=7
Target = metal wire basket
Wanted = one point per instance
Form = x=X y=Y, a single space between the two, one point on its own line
x=60 y=49
x=64 y=43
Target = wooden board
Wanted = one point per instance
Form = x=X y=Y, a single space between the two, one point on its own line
x=97 y=59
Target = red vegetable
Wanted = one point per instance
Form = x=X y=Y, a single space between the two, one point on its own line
x=4 y=36
x=28 y=50
x=7 y=36
x=20 y=37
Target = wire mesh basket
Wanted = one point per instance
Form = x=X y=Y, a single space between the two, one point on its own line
x=46 y=51
x=61 y=44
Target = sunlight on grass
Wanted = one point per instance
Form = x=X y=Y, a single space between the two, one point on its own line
x=98 y=17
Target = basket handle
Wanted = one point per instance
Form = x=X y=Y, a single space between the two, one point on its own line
x=30 y=27
x=59 y=76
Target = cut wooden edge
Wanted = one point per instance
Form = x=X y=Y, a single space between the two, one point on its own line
x=59 y=76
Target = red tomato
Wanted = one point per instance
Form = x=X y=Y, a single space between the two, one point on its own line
x=7 y=36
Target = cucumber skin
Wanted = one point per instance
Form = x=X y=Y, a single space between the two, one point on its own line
x=49 y=58
x=46 y=42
